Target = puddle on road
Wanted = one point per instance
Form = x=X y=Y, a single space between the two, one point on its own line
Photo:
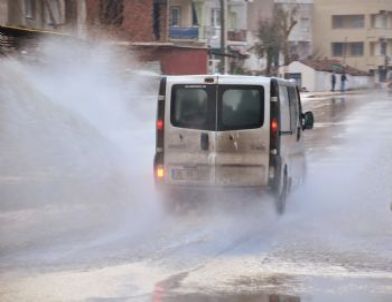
x=165 y=291
x=260 y=297
x=276 y=288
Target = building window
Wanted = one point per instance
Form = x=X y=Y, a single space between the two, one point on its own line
x=348 y=21
x=175 y=16
x=305 y=24
x=195 y=19
x=356 y=49
x=383 y=47
x=382 y=20
x=216 y=17
x=156 y=16
x=233 y=24
x=29 y=8
x=338 y=49
x=111 y=12
x=352 y=49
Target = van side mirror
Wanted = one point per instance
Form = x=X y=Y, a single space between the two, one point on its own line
x=307 y=120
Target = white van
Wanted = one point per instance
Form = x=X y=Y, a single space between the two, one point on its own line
x=226 y=131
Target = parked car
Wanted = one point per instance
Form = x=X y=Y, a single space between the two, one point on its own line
x=226 y=132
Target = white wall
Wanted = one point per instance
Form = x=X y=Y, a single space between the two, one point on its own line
x=360 y=82
x=308 y=74
x=321 y=80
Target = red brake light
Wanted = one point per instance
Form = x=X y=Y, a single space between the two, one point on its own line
x=274 y=126
x=160 y=124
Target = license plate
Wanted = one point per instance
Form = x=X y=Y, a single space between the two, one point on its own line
x=188 y=174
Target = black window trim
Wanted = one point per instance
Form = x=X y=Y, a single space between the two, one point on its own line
x=222 y=88
x=211 y=106
x=214 y=123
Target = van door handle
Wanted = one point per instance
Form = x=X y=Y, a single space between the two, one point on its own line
x=204 y=141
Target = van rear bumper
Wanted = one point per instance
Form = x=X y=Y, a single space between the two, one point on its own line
x=186 y=192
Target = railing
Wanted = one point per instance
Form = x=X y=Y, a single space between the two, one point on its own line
x=209 y=33
x=188 y=33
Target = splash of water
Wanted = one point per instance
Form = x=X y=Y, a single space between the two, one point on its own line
x=77 y=131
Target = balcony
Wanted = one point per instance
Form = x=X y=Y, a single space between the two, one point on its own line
x=374 y=34
x=237 y=36
x=184 y=33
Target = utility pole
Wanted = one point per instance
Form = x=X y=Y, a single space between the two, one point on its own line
x=345 y=44
x=384 y=47
x=223 y=36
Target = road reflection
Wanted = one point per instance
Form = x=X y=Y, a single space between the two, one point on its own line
x=161 y=297
x=337 y=107
x=165 y=291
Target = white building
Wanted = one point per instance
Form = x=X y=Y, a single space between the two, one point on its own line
x=315 y=75
x=201 y=21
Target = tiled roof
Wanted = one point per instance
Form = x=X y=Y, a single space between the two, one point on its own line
x=333 y=65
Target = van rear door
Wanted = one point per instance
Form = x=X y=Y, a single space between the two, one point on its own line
x=190 y=131
x=242 y=142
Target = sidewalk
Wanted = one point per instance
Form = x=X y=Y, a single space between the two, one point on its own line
x=326 y=94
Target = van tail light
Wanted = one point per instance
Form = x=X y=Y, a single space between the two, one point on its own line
x=160 y=125
x=275 y=119
x=274 y=126
x=274 y=134
x=159 y=172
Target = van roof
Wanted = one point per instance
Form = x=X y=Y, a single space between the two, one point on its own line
x=230 y=78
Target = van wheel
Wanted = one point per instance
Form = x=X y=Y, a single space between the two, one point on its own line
x=281 y=195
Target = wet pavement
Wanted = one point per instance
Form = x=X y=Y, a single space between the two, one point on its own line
x=333 y=244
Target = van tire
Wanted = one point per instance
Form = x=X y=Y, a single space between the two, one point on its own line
x=281 y=195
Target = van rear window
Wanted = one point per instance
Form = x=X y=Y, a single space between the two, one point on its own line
x=191 y=107
x=241 y=107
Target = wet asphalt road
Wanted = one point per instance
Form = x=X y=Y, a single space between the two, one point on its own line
x=333 y=244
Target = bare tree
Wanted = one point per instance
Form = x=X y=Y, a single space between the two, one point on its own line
x=286 y=20
x=270 y=44
x=274 y=36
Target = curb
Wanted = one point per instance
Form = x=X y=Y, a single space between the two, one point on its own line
x=310 y=95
